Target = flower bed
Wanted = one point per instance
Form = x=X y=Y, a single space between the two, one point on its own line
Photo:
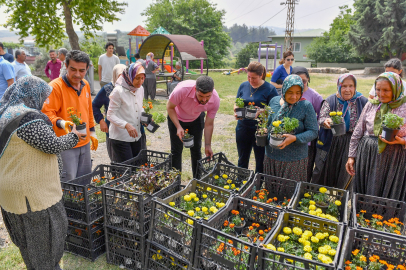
x=82 y=197
x=159 y=160
x=373 y=251
x=229 y=177
x=302 y=242
x=85 y=240
x=174 y=225
x=230 y=239
x=128 y=206
x=206 y=165
x=284 y=190
x=323 y=202
x=379 y=215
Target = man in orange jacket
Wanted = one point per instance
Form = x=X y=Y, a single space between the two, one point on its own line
x=73 y=92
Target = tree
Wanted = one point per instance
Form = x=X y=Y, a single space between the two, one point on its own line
x=380 y=28
x=333 y=46
x=197 y=18
x=46 y=20
x=243 y=57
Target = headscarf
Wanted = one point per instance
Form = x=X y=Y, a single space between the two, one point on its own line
x=28 y=94
x=398 y=99
x=345 y=103
x=286 y=108
x=128 y=75
x=117 y=71
x=148 y=58
x=301 y=70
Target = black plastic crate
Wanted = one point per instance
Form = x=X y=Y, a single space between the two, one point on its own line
x=236 y=174
x=176 y=230
x=159 y=160
x=276 y=186
x=206 y=165
x=389 y=249
x=125 y=249
x=160 y=258
x=130 y=210
x=386 y=208
x=334 y=194
x=85 y=240
x=216 y=248
x=83 y=200
x=270 y=260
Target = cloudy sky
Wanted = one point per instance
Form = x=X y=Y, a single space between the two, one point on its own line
x=309 y=13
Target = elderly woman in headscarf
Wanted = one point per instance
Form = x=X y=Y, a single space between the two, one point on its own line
x=316 y=100
x=176 y=77
x=150 y=78
x=290 y=160
x=30 y=168
x=124 y=113
x=102 y=99
x=378 y=165
x=332 y=152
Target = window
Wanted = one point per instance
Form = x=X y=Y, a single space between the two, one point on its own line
x=296 y=46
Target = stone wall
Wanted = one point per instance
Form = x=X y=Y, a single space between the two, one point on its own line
x=328 y=70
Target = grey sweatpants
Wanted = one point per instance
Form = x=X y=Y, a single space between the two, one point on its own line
x=76 y=162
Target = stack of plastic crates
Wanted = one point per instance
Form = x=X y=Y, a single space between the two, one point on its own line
x=206 y=165
x=159 y=160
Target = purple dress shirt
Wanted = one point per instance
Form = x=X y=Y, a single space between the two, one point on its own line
x=54 y=67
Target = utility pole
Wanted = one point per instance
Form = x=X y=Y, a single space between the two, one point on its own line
x=290 y=23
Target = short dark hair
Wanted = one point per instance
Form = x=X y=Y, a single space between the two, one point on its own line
x=137 y=56
x=77 y=56
x=17 y=53
x=108 y=44
x=396 y=64
x=51 y=51
x=1 y=45
x=63 y=51
x=204 y=84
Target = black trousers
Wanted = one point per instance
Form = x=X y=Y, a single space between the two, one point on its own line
x=122 y=151
x=245 y=139
x=196 y=129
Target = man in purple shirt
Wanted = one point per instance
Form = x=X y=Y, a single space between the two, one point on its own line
x=186 y=106
x=54 y=65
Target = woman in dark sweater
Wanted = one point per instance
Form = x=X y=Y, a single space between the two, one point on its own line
x=256 y=90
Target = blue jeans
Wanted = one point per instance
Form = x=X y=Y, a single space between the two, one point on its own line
x=245 y=139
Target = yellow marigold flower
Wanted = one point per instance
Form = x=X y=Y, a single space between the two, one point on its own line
x=307 y=195
x=189 y=221
x=271 y=247
x=323 y=190
x=192 y=195
x=338 y=203
x=204 y=209
x=280 y=249
x=187 y=198
x=314 y=239
x=333 y=113
x=227 y=187
x=225 y=176
x=244 y=182
x=312 y=202
x=197 y=209
x=216 y=177
x=339 y=113
x=281 y=238
x=297 y=231
x=275 y=123
x=229 y=181
x=196 y=199
x=333 y=238
x=191 y=213
x=332 y=252
x=308 y=256
x=287 y=230
x=172 y=203
x=209 y=189
x=312 y=207
x=307 y=248
x=204 y=196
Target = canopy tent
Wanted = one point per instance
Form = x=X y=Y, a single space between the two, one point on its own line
x=160 y=30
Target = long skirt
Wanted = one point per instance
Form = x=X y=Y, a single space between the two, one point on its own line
x=40 y=235
x=294 y=170
x=331 y=166
x=149 y=88
x=310 y=159
x=381 y=175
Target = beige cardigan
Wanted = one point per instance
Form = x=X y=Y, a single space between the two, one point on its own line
x=26 y=172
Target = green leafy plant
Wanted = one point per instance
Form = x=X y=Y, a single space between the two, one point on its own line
x=74 y=116
x=290 y=124
x=337 y=117
x=158 y=117
x=263 y=118
x=147 y=106
x=187 y=135
x=393 y=121
x=239 y=102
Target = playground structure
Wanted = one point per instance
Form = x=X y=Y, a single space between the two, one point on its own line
x=139 y=33
x=268 y=46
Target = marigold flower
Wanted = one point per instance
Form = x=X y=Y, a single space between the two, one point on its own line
x=232 y=225
x=355 y=252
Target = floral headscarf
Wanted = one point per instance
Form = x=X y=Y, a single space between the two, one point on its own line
x=398 y=99
x=28 y=94
x=128 y=75
x=346 y=103
x=286 y=108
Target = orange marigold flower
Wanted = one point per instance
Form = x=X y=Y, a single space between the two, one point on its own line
x=261 y=232
x=261 y=238
x=232 y=225
x=359 y=268
x=250 y=228
x=255 y=198
x=363 y=211
x=363 y=258
x=242 y=219
x=372 y=259
x=355 y=252
x=347 y=262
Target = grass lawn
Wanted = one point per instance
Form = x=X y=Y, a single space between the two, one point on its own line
x=227 y=87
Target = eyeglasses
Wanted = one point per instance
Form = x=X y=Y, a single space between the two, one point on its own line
x=291 y=59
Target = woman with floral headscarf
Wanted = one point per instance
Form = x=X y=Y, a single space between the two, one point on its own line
x=30 y=169
x=124 y=113
x=378 y=165
x=150 y=78
x=290 y=160
x=332 y=152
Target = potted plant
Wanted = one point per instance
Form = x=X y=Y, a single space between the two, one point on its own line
x=236 y=222
x=157 y=118
x=188 y=140
x=287 y=126
x=145 y=115
x=240 y=110
x=391 y=126
x=251 y=111
x=80 y=125
x=262 y=128
x=338 y=126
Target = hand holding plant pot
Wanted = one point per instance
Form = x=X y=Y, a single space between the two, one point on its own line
x=188 y=141
x=251 y=111
x=390 y=128
x=80 y=125
x=146 y=116
x=239 y=109
x=338 y=126
x=157 y=118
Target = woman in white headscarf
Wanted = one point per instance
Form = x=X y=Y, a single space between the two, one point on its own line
x=150 y=78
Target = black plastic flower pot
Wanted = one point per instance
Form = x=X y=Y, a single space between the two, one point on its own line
x=189 y=142
x=240 y=112
x=145 y=118
x=389 y=134
x=152 y=127
x=250 y=113
x=237 y=229
x=81 y=128
x=338 y=129
x=262 y=140
x=275 y=141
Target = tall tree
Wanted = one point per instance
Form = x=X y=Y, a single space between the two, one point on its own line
x=380 y=28
x=197 y=18
x=47 y=20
